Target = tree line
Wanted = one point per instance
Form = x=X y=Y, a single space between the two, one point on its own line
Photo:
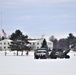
x=64 y=43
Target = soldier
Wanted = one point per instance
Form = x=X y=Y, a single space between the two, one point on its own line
x=5 y=53
x=27 y=53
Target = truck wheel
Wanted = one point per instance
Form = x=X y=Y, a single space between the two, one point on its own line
x=35 y=57
x=67 y=56
x=44 y=57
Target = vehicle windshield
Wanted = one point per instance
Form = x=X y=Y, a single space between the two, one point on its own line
x=41 y=51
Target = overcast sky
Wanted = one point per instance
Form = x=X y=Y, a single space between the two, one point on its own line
x=38 y=17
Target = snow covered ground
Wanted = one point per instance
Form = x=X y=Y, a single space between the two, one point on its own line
x=27 y=65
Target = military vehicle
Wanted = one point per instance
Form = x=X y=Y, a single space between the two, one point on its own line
x=59 y=53
x=41 y=53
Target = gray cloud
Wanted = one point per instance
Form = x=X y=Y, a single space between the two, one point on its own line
x=21 y=3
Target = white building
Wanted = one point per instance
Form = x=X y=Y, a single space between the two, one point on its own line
x=38 y=43
x=34 y=44
x=4 y=44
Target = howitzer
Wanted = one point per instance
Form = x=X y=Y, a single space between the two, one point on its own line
x=59 y=53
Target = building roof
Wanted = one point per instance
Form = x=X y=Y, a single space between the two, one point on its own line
x=6 y=40
x=40 y=40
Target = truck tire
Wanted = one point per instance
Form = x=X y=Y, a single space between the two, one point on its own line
x=67 y=57
x=35 y=57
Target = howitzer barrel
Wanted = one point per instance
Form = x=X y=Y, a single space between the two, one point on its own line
x=66 y=52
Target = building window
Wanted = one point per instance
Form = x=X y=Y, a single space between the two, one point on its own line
x=30 y=47
x=0 y=47
x=4 y=47
x=37 y=43
x=8 y=47
x=49 y=43
x=33 y=43
x=0 y=43
x=4 y=43
x=37 y=47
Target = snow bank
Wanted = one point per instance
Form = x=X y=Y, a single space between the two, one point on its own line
x=27 y=65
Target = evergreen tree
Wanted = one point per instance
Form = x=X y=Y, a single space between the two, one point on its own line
x=3 y=37
x=20 y=41
x=44 y=44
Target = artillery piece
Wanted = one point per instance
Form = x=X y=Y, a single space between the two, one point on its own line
x=59 y=53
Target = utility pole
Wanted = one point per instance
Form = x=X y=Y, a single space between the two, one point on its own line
x=1 y=27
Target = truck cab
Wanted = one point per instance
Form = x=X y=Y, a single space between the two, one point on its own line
x=41 y=53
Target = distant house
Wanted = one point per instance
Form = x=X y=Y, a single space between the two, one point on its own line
x=37 y=43
x=4 y=44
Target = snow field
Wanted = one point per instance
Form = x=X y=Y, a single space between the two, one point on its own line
x=27 y=65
